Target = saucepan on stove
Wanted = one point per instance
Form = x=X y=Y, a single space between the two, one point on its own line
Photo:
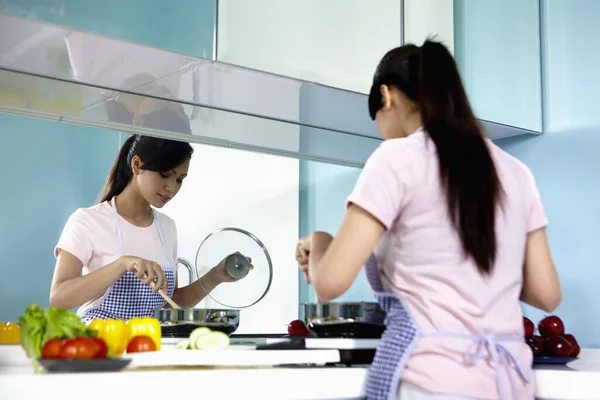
x=250 y=288
x=345 y=319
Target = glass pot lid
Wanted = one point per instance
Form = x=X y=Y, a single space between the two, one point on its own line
x=247 y=283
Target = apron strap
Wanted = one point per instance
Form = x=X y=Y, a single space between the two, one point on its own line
x=501 y=356
x=117 y=226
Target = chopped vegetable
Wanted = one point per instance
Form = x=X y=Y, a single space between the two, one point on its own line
x=196 y=333
x=114 y=332
x=144 y=327
x=10 y=333
x=39 y=326
x=212 y=341
x=183 y=344
x=204 y=339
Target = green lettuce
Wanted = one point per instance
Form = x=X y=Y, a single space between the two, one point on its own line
x=38 y=326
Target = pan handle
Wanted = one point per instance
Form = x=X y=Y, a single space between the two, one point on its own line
x=189 y=267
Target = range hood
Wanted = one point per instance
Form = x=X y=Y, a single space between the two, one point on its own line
x=63 y=75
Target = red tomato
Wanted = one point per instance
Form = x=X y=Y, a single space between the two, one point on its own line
x=101 y=348
x=140 y=344
x=78 y=348
x=51 y=348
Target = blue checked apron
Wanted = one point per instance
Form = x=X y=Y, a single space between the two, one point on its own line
x=402 y=334
x=129 y=297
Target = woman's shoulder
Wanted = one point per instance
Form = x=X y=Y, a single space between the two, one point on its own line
x=93 y=215
x=97 y=210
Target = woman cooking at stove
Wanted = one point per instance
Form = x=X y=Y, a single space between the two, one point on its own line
x=123 y=244
x=451 y=231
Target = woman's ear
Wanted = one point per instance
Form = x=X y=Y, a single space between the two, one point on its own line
x=386 y=97
x=136 y=165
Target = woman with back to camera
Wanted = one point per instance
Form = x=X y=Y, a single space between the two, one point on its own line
x=122 y=244
x=451 y=230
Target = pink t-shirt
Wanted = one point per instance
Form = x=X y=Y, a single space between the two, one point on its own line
x=421 y=260
x=90 y=235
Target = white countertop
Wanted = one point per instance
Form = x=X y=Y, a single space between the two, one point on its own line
x=578 y=380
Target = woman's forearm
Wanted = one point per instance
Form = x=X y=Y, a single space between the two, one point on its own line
x=189 y=296
x=77 y=291
x=320 y=243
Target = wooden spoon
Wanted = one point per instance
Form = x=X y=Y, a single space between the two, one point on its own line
x=163 y=294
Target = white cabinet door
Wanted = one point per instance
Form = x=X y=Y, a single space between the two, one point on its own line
x=429 y=18
x=336 y=43
x=498 y=52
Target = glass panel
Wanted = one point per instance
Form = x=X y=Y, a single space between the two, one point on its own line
x=68 y=102
x=323 y=192
x=336 y=43
x=53 y=169
x=34 y=48
x=186 y=26
x=497 y=48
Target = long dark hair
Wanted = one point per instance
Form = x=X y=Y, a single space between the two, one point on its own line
x=428 y=75
x=158 y=155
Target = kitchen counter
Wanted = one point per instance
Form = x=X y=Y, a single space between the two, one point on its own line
x=578 y=381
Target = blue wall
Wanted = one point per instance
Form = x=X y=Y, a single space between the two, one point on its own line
x=185 y=26
x=49 y=170
x=565 y=159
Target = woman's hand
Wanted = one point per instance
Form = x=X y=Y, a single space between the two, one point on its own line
x=303 y=249
x=147 y=271
x=221 y=273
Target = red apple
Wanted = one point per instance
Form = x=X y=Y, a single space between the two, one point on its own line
x=570 y=338
x=559 y=346
x=575 y=346
x=575 y=350
x=528 y=325
x=297 y=328
x=551 y=326
x=536 y=346
x=541 y=339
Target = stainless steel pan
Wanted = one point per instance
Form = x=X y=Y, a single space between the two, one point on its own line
x=345 y=319
x=180 y=323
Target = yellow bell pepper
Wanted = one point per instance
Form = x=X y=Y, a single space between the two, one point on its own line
x=10 y=333
x=144 y=327
x=113 y=332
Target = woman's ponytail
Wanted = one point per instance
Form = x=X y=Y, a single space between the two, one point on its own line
x=467 y=170
x=120 y=173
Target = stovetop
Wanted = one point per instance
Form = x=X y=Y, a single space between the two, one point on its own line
x=351 y=351
x=307 y=343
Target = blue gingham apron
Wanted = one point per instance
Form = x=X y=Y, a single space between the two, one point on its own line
x=402 y=334
x=129 y=297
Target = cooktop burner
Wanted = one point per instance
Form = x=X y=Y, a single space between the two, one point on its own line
x=352 y=351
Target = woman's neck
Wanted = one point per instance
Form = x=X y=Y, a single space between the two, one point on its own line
x=133 y=207
x=413 y=122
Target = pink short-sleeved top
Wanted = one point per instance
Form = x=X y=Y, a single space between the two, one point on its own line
x=421 y=260
x=90 y=235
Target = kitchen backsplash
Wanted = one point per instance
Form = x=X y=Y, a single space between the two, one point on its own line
x=565 y=160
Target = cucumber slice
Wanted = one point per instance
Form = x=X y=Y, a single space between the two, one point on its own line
x=197 y=333
x=212 y=341
x=183 y=344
